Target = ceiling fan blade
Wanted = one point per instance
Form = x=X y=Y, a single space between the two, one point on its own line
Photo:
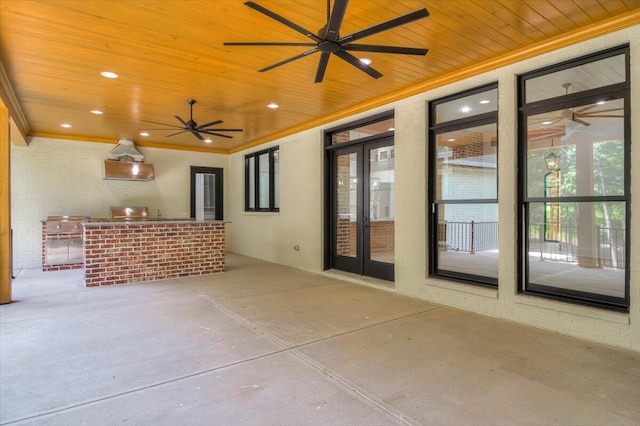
x=197 y=134
x=386 y=49
x=283 y=20
x=216 y=134
x=551 y=121
x=268 y=43
x=213 y=123
x=173 y=134
x=184 y=123
x=322 y=66
x=596 y=113
x=357 y=63
x=335 y=21
x=577 y=120
x=286 y=61
x=222 y=130
x=175 y=128
x=587 y=108
x=392 y=23
x=162 y=124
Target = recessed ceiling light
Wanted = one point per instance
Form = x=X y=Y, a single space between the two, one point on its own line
x=207 y=140
x=465 y=109
x=546 y=123
x=601 y=102
x=144 y=134
x=366 y=61
x=273 y=105
x=65 y=125
x=451 y=140
x=96 y=112
x=109 y=74
x=485 y=101
x=391 y=129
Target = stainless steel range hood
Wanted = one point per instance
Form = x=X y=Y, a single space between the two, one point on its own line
x=127 y=163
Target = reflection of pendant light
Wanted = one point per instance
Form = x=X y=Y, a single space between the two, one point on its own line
x=552 y=159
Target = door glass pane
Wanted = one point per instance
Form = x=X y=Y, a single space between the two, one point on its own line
x=587 y=250
x=467 y=163
x=585 y=144
x=263 y=191
x=276 y=179
x=468 y=239
x=251 y=165
x=209 y=196
x=381 y=204
x=346 y=205
x=205 y=196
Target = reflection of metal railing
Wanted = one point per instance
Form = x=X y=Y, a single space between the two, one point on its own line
x=611 y=247
x=610 y=243
x=468 y=236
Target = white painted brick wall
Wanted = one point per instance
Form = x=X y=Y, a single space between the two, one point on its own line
x=55 y=177
x=411 y=254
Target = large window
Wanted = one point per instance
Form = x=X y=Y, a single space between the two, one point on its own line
x=463 y=148
x=574 y=180
x=262 y=181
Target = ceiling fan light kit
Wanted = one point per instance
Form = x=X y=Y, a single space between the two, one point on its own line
x=328 y=41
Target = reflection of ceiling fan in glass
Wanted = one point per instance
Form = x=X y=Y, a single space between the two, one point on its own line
x=581 y=115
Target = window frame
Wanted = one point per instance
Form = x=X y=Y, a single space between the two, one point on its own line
x=434 y=203
x=271 y=152
x=525 y=110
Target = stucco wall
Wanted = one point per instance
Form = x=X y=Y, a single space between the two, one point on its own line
x=58 y=177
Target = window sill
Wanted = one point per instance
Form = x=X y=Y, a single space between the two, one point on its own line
x=463 y=288
x=261 y=213
x=569 y=308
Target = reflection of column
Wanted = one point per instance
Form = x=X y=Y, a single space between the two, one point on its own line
x=587 y=238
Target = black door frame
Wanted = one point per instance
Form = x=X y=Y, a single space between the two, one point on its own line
x=218 y=172
x=362 y=264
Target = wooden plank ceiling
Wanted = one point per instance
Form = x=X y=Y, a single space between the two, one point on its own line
x=168 y=51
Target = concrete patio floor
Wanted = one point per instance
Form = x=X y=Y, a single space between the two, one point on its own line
x=263 y=344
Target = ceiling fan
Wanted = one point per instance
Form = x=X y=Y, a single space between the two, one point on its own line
x=193 y=127
x=328 y=40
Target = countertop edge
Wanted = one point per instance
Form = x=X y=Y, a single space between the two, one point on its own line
x=151 y=222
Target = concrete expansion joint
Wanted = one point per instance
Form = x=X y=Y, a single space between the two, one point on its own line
x=325 y=371
x=283 y=347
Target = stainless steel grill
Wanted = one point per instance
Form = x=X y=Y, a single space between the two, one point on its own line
x=65 y=224
x=129 y=213
x=63 y=243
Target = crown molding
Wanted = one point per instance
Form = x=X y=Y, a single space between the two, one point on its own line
x=15 y=111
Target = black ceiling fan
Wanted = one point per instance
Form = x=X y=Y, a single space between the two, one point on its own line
x=193 y=127
x=328 y=39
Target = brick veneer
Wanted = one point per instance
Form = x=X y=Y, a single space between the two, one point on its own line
x=60 y=267
x=126 y=253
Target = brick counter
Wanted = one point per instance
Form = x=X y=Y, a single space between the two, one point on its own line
x=127 y=252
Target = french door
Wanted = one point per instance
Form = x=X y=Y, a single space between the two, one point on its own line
x=362 y=186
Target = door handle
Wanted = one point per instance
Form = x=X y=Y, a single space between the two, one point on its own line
x=365 y=222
